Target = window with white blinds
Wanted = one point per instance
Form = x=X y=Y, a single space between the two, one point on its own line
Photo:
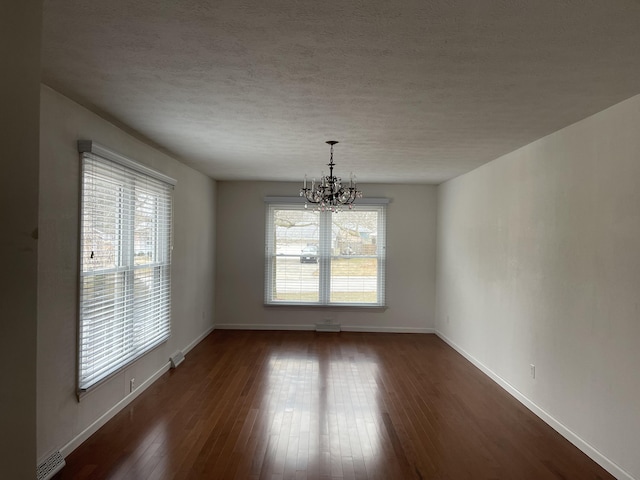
x=125 y=278
x=325 y=258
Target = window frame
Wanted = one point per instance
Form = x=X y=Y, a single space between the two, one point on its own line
x=380 y=205
x=130 y=183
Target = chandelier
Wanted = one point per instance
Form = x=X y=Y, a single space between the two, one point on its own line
x=329 y=193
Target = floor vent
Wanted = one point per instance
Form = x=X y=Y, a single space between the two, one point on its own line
x=50 y=466
x=176 y=359
x=327 y=327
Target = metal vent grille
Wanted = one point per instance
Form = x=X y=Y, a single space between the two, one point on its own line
x=51 y=466
x=328 y=327
x=176 y=359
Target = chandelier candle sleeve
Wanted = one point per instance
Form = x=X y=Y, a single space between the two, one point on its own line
x=330 y=194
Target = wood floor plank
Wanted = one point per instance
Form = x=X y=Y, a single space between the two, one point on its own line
x=305 y=405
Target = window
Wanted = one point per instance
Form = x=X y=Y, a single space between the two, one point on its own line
x=125 y=248
x=324 y=258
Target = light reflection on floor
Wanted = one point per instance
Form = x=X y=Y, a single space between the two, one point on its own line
x=323 y=413
x=152 y=454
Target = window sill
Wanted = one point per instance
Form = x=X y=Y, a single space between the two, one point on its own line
x=336 y=306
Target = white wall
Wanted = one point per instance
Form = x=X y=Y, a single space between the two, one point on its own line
x=19 y=112
x=539 y=263
x=61 y=419
x=240 y=265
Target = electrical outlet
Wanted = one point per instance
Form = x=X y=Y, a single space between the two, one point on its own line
x=532 y=369
x=132 y=385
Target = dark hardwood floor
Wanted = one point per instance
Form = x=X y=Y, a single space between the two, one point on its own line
x=303 y=405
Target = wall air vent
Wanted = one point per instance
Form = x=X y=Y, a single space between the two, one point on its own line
x=327 y=327
x=52 y=465
x=176 y=359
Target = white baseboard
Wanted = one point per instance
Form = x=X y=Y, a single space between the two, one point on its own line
x=357 y=328
x=344 y=328
x=585 y=447
x=198 y=339
x=109 y=414
x=262 y=326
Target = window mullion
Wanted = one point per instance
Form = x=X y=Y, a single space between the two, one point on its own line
x=129 y=240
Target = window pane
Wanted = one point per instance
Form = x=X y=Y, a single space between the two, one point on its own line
x=150 y=310
x=355 y=233
x=354 y=266
x=354 y=280
x=145 y=228
x=102 y=219
x=104 y=338
x=296 y=236
x=296 y=281
x=295 y=230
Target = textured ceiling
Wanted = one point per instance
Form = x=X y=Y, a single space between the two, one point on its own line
x=414 y=90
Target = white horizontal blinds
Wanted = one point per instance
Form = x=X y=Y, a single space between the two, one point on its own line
x=292 y=254
x=325 y=258
x=358 y=256
x=125 y=282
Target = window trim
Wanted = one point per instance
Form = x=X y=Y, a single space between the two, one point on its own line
x=89 y=146
x=94 y=151
x=324 y=292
